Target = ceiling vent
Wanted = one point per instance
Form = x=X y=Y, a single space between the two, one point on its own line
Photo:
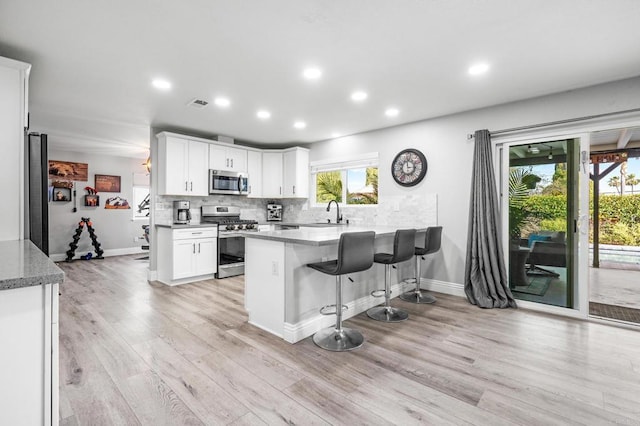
x=198 y=103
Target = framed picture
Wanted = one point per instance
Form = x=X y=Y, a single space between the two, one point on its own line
x=61 y=194
x=107 y=183
x=68 y=170
x=91 y=200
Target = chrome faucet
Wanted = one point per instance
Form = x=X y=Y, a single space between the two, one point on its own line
x=338 y=216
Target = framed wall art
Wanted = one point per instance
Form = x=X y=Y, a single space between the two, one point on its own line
x=107 y=183
x=68 y=170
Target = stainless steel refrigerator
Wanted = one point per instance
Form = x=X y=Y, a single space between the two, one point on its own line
x=37 y=191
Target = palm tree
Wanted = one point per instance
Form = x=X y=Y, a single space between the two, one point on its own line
x=632 y=181
x=329 y=187
x=615 y=182
x=521 y=183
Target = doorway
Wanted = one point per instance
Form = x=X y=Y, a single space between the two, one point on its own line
x=615 y=225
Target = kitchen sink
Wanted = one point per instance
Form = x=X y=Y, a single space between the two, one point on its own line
x=323 y=224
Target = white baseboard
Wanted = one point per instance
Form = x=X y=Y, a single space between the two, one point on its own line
x=152 y=275
x=298 y=331
x=59 y=257
x=445 y=287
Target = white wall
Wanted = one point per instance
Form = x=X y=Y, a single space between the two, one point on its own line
x=115 y=228
x=449 y=155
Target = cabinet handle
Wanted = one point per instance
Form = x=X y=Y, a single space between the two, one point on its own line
x=196 y=233
x=280 y=190
x=186 y=186
x=294 y=189
x=232 y=163
x=198 y=247
x=227 y=162
x=191 y=186
x=194 y=248
x=249 y=189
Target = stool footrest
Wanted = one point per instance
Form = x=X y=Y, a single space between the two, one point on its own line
x=331 y=309
x=378 y=293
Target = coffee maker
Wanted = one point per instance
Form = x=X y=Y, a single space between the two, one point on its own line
x=181 y=213
x=274 y=212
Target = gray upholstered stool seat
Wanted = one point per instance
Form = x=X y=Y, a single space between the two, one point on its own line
x=403 y=248
x=432 y=241
x=355 y=254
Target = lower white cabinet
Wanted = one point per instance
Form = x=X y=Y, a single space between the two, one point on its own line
x=186 y=255
x=29 y=355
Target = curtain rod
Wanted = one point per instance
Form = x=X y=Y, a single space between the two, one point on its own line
x=555 y=123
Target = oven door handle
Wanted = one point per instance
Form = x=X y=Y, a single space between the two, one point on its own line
x=240 y=184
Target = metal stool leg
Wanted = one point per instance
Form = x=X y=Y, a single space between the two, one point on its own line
x=387 y=313
x=337 y=338
x=416 y=295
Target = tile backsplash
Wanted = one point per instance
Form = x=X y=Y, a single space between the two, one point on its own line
x=416 y=210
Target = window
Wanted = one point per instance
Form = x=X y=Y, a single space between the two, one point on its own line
x=140 y=202
x=349 y=182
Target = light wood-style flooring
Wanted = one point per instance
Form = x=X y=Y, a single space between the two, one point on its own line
x=133 y=352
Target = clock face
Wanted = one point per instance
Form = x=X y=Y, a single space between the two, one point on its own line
x=409 y=167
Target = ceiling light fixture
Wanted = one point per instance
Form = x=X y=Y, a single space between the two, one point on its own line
x=392 y=112
x=359 y=96
x=299 y=124
x=312 y=73
x=264 y=115
x=479 y=68
x=161 y=84
x=222 y=102
x=533 y=149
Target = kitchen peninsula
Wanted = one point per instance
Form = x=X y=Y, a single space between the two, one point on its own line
x=29 y=283
x=283 y=296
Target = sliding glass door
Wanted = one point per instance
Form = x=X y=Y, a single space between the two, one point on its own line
x=541 y=195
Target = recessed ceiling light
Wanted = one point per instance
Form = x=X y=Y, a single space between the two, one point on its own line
x=312 y=73
x=161 y=84
x=479 y=68
x=391 y=112
x=359 y=96
x=263 y=114
x=222 y=102
x=299 y=124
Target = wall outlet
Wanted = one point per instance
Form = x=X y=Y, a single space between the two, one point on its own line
x=274 y=268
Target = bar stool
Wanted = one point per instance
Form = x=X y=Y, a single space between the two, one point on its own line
x=355 y=254
x=403 y=248
x=431 y=245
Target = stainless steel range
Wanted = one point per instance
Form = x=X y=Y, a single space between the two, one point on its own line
x=230 y=237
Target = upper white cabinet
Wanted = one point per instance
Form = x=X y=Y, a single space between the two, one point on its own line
x=254 y=169
x=14 y=78
x=271 y=174
x=227 y=158
x=295 y=181
x=285 y=173
x=182 y=165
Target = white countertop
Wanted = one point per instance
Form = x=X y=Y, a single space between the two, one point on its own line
x=316 y=236
x=24 y=265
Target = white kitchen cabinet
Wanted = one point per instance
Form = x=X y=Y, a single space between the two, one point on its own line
x=229 y=158
x=29 y=355
x=187 y=254
x=14 y=78
x=295 y=180
x=285 y=173
x=183 y=165
x=254 y=169
x=272 y=174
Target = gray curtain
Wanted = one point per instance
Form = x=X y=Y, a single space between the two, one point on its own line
x=485 y=275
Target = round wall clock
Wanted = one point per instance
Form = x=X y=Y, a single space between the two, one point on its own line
x=409 y=167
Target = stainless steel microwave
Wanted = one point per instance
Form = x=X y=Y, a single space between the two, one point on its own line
x=231 y=183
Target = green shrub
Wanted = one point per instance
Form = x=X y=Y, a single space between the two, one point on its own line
x=546 y=206
x=558 y=224
x=618 y=233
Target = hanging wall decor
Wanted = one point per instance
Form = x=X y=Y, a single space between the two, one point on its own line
x=107 y=183
x=116 y=203
x=68 y=170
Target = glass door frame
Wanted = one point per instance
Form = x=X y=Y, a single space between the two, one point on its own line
x=580 y=269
